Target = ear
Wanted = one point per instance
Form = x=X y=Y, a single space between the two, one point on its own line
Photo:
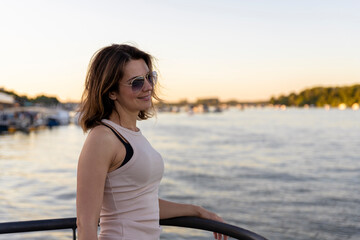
x=112 y=96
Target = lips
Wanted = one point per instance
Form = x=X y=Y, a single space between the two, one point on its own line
x=145 y=98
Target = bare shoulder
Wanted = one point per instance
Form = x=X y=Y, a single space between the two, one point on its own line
x=100 y=145
x=101 y=136
x=101 y=133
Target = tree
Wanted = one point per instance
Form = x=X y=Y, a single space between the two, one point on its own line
x=46 y=101
x=320 y=96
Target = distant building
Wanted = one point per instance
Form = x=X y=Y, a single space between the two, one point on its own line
x=208 y=101
x=6 y=100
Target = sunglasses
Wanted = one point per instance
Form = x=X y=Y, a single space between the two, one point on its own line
x=137 y=83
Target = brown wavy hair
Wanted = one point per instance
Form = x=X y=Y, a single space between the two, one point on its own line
x=106 y=69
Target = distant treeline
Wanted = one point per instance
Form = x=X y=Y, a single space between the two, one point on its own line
x=317 y=96
x=321 y=96
x=38 y=100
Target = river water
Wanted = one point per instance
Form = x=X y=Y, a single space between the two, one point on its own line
x=291 y=174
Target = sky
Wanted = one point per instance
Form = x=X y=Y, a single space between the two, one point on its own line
x=231 y=49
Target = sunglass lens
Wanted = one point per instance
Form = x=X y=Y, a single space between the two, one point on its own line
x=152 y=77
x=137 y=84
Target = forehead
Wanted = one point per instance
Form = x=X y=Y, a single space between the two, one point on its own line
x=135 y=68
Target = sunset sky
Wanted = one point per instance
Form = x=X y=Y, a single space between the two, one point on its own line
x=244 y=50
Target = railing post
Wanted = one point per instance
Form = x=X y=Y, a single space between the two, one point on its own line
x=74 y=233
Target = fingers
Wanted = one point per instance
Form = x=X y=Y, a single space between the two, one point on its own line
x=212 y=216
x=219 y=236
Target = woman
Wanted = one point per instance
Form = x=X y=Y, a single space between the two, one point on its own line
x=118 y=170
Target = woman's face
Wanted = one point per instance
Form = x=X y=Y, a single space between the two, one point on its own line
x=127 y=99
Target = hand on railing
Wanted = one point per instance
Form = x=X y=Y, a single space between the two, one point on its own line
x=211 y=225
x=203 y=213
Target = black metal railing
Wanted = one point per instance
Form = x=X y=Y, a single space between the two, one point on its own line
x=39 y=225
x=188 y=222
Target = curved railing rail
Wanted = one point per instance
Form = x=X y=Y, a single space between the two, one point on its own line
x=213 y=226
x=188 y=222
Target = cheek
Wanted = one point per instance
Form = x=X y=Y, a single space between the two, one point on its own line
x=126 y=94
x=125 y=91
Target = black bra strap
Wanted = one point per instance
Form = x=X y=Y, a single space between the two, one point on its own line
x=128 y=148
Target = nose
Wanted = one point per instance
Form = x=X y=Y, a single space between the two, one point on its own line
x=147 y=86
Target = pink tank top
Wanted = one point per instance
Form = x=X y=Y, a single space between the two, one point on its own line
x=130 y=209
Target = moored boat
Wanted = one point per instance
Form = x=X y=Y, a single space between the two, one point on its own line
x=27 y=119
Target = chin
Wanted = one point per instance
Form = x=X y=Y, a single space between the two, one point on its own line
x=143 y=105
x=144 y=108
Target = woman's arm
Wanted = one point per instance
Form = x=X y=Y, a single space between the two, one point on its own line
x=94 y=162
x=171 y=209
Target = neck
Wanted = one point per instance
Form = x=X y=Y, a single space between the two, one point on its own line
x=125 y=120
